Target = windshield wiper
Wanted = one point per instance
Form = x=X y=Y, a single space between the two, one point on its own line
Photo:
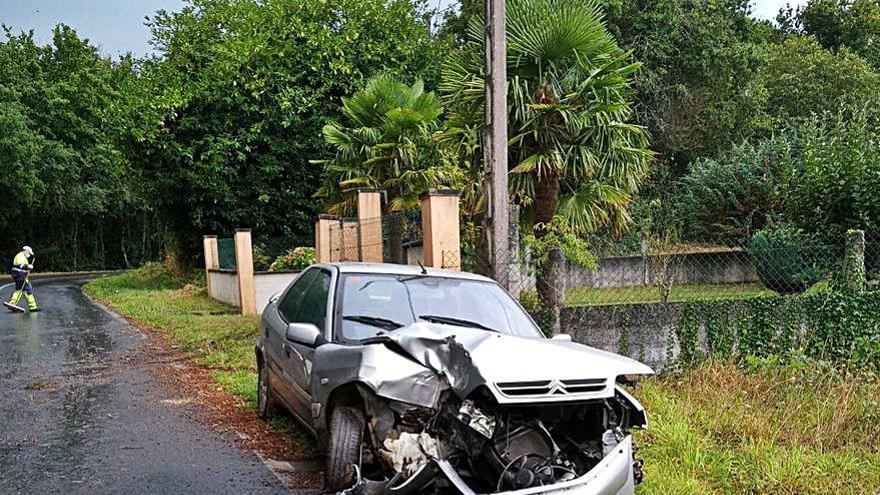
x=374 y=321
x=448 y=320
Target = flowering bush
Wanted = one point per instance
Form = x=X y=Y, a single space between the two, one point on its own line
x=297 y=259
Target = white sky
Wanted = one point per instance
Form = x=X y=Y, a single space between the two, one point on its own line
x=767 y=9
x=117 y=26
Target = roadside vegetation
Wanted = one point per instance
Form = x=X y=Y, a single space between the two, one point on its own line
x=764 y=426
x=771 y=426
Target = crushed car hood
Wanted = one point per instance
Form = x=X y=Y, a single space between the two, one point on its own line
x=515 y=369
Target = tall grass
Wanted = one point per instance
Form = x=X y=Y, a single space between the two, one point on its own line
x=769 y=429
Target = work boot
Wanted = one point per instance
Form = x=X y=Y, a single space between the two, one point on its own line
x=32 y=303
x=15 y=297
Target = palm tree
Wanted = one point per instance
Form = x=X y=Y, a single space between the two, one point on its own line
x=385 y=140
x=573 y=154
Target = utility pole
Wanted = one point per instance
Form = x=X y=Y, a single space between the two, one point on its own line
x=495 y=143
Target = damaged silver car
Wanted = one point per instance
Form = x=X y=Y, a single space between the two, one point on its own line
x=420 y=381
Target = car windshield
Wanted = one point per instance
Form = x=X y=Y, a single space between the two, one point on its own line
x=375 y=304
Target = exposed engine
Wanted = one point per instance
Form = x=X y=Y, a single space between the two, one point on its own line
x=497 y=448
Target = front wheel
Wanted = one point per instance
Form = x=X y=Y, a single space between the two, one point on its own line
x=344 y=448
x=267 y=404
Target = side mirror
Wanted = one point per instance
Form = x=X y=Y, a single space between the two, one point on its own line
x=304 y=334
x=562 y=337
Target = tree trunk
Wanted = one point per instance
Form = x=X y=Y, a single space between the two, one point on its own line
x=122 y=246
x=550 y=274
x=75 y=242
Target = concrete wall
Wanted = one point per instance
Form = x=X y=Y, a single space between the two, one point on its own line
x=224 y=286
x=723 y=267
x=641 y=330
x=266 y=284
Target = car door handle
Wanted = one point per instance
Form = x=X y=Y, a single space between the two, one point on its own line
x=286 y=347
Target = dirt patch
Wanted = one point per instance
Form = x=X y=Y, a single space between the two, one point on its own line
x=195 y=394
x=40 y=385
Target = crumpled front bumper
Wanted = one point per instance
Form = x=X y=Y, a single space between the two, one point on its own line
x=612 y=476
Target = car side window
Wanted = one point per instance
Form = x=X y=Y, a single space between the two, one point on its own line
x=291 y=303
x=314 y=305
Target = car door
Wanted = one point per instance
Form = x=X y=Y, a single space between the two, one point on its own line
x=276 y=349
x=313 y=309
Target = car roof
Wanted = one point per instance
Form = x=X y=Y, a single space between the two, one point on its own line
x=394 y=269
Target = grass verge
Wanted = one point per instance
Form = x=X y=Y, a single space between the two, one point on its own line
x=588 y=296
x=774 y=429
x=212 y=334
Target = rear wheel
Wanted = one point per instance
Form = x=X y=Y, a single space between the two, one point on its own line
x=267 y=404
x=344 y=448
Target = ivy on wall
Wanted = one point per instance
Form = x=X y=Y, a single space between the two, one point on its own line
x=829 y=325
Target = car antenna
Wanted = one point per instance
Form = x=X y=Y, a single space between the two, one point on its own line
x=424 y=271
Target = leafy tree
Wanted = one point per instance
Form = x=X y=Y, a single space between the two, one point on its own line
x=854 y=24
x=67 y=188
x=385 y=140
x=693 y=92
x=800 y=78
x=225 y=119
x=573 y=153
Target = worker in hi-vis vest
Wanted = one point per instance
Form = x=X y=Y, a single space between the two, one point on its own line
x=22 y=265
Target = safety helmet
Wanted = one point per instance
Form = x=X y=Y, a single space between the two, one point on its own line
x=28 y=250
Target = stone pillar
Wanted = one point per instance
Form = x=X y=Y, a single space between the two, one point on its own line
x=244 y=267
x=323 y=244
x=209 y=244
x=441 y=243
x=854 y=261
x=551 y=287
x=369 y=211
x=350 y=240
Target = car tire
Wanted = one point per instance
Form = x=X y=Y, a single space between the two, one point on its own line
x=267 y=405
x=343 y=448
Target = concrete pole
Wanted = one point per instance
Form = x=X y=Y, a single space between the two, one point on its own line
x=209 y=245
x=244 y=267
x=369 y=211
x=441 y=242
x=495 y=148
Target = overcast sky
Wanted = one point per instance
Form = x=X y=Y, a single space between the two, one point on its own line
x=117 y=26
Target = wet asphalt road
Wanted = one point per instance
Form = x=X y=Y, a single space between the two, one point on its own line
x=77 y=418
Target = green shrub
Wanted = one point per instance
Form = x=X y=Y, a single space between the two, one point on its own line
x=729 y=198
x=787 y=260
x=297 y=259
x=836 y=186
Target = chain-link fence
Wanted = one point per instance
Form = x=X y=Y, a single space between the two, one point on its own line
x=644 y=304
x=277 y=253
x=402 y=237
x=872 y=260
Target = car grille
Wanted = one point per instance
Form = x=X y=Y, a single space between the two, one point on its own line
x=551 y=388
